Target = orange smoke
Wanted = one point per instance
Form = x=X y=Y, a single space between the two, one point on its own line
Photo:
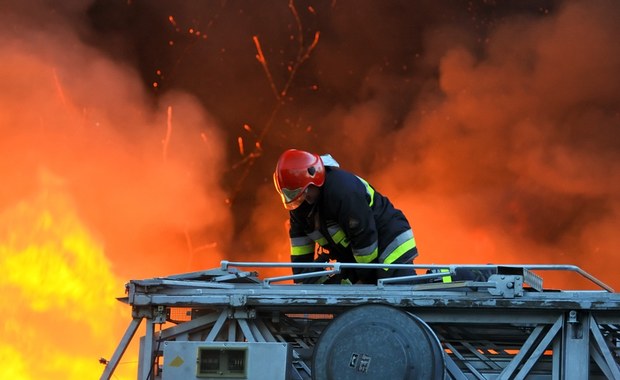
x=510 y=154
x=508 y=160
x=99 y=187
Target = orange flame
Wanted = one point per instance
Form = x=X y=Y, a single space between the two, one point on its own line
x=54 y=273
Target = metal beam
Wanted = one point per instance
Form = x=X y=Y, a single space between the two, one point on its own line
x=540 y=349
x=451 y=364
x=453 y=370
x=603 y=349
x=576 y=346
x=516 y=361
x=145 y=363
x=218 y=326
x=121 y=348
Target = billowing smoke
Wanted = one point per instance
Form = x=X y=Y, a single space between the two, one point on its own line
x=141 y=136
x=101 y=184
x=518 y=144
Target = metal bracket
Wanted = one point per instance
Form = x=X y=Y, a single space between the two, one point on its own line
x=237 y=300
x=242 y=314
x=507 y=286
x=573 y=317
x=529 y=277
x=534 y=280
x=159 y=314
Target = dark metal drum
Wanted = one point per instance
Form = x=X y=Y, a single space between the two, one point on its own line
x=376 y=341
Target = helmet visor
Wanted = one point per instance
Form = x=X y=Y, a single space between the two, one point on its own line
x=293 y=198
x=291 y=195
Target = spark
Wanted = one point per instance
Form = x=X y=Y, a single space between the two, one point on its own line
x=302 y=54
x=247 y=159
x=204 y=247
x=261 y=58
x=190 y=247
x=240 y=143
x=166 y=140
x=61 y=93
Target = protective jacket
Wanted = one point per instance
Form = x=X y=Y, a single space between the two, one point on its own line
x=354 y=223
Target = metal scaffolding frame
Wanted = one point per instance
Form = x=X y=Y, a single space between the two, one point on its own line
x=507 y=327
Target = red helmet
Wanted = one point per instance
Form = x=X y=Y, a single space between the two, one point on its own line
x=295 y=171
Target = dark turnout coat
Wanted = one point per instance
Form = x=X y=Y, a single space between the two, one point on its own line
x=354 y=223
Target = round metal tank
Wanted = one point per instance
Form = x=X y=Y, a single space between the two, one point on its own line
x=377 y=342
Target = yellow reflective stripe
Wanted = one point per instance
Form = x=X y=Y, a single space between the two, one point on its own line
x=302 y=249
x=318 y=237
x=446 y=279
x=369 y=190
x=338 y=235
x=365 y=259
x=395 y=243
x=400 y=250
x=340 y=238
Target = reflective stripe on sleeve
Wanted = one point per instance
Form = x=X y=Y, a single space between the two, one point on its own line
x=301 y=246
x=338 y=235
x=367 y=254
x=302 y=250
x=401 y=244
x=369 y=190
x=318 y=237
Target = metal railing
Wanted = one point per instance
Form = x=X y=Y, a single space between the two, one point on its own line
x=337 y=266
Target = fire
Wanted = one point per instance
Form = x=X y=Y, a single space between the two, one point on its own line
x=144 y=198
x=59 y=308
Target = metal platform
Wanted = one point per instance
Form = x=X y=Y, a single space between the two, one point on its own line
x=228 y=323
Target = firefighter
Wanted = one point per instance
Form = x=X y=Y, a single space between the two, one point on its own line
x=338 y=216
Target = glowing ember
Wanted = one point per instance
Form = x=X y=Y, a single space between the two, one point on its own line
x=240 y=143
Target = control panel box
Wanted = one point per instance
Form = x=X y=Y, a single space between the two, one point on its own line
x=226 y=360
